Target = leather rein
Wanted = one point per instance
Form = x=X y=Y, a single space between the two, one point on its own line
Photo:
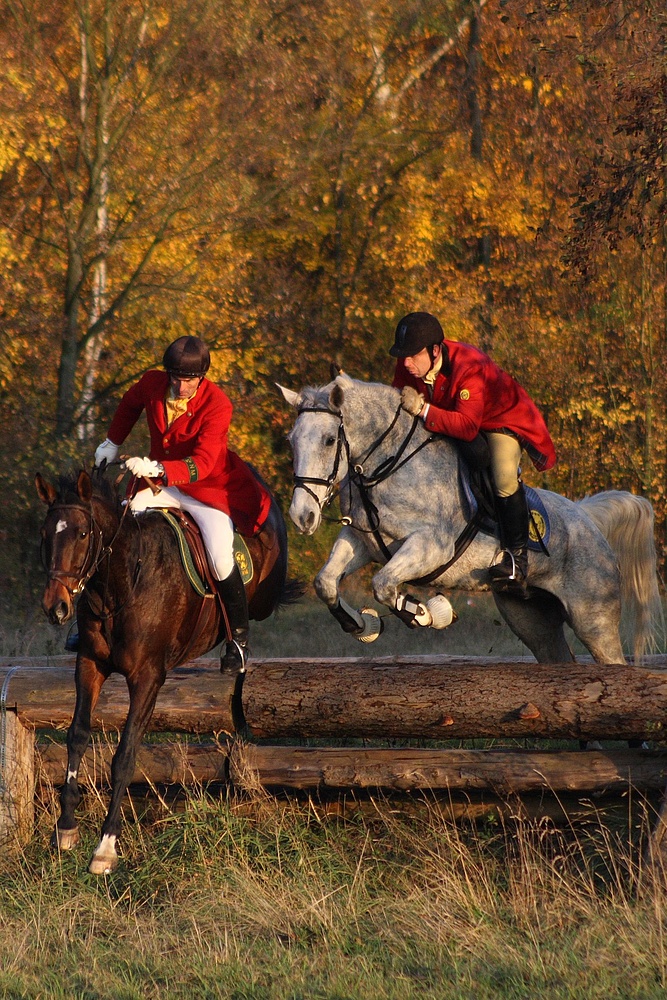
x=365 y=483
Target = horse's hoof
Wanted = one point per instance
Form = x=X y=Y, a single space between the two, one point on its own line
x=373 y=625
x=65 y=840
x=103 y=864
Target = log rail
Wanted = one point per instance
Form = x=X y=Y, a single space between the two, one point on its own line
x=426 y=698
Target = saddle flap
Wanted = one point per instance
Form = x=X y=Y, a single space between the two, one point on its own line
x=193 y=552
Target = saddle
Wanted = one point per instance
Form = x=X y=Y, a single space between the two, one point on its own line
x=477 y=490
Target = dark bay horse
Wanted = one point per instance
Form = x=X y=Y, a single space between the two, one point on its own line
x=138 y=615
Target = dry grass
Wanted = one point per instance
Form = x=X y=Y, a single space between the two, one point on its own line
x=241 y=898
x=249 y=899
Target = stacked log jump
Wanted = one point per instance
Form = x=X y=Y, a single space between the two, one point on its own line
x=402 y=698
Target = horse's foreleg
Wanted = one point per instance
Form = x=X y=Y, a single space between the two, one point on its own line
x=89 y=681
x=348 y=554
x=417 y=557
x=142 y=702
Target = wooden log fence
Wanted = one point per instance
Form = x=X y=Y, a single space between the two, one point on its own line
x=404 y=698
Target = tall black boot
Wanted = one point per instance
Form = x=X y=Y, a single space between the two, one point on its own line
x=233 y=596
x=509 y=575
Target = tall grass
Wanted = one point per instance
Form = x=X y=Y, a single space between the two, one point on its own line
x=249 y=898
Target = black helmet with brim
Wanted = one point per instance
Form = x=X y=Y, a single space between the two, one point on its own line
x=415 y=332
x=187 y=357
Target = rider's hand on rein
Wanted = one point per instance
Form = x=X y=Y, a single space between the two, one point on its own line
x=107 y=450
x=412 y=401
x=146 y=469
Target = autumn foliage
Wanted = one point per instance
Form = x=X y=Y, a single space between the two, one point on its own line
x=286 y=180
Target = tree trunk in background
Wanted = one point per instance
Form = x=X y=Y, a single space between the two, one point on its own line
x=472 y=84
x=95 y=343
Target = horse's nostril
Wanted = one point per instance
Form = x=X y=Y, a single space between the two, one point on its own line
x=60 y=613
x=310 y=520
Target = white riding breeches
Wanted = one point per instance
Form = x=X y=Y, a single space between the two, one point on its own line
x=505 y=461
x=216 y=527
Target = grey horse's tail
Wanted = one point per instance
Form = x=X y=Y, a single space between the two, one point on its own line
x=626 y=521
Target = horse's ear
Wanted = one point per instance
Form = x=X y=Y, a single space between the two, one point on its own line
x=291 y=397
x=335 y=370
x=45 y=490
x=84 y=487
x=336 y=396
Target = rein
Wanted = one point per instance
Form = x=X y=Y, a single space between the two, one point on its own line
x=356 y=474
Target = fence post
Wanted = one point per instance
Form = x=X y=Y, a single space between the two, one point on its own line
x=17 y=780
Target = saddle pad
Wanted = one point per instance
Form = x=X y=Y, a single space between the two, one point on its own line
x=539 y=526
x=241 y=556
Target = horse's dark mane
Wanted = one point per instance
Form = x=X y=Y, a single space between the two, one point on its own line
x=102 y=489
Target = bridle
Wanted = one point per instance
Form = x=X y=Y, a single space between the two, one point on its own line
x=95 y=553
x=356 y=474
x=91 y=559
x=305 y=482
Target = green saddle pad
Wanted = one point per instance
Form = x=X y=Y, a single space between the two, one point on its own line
x=241 y=556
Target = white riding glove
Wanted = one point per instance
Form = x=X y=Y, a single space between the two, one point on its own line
x=107 y=450
x=144 y=467
x=412 y=401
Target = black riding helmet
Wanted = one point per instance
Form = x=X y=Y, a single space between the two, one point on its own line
x=187 y=357
x=415 y=332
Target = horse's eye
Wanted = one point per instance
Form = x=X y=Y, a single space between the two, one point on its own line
x=83 y=534
x=330 y=441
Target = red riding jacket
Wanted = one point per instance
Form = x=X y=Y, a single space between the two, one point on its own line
x=480 y=396
x=194 y=449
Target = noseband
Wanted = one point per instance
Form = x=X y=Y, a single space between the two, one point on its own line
x=91 y=559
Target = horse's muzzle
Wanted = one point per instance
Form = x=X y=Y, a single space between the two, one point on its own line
x=306 y=520
x=57 y=604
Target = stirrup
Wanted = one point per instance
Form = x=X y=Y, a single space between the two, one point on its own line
x=235 y=657
x=72 y=641
x=509 y=579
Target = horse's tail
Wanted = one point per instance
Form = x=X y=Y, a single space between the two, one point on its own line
x=627 y=523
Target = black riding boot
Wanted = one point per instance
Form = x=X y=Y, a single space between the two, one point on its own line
x=509 y=575
x=233 y=596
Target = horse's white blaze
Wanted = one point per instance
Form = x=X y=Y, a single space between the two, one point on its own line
x=71 y=776
x=61 y=525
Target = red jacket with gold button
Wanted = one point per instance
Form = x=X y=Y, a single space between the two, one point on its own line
x=194 y=449
x=477 y=396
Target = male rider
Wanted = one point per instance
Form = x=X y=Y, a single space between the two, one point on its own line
x=458 y=390
x=188 y=418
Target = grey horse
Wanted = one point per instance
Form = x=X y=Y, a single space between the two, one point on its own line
x=403 y=507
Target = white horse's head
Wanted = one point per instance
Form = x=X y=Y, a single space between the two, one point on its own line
x=318 y=449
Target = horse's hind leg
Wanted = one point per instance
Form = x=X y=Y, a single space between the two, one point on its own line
x=89 y=681
x=538 y=622
x=143 y=694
